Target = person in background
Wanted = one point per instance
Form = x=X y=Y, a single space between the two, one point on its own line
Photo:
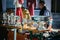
x=26 y=15
x=45 y=12
x=6 y=16
x=18 y=4
x=4 y=31
x=31 y=4
x=8 y=12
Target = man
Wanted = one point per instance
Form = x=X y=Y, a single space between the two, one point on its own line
x=45 y=12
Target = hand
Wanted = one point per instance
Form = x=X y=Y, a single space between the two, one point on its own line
x=4 y=24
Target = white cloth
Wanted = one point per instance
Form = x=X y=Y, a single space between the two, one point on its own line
x=46 y=34
x=55 y=30
x=4 y=15
x=17 y=4
x=35 y=24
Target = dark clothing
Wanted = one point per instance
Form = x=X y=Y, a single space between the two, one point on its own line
x=42 y=11
x=3 y=33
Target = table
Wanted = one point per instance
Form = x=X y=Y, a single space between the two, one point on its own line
x=15 y=29
x=33 y=31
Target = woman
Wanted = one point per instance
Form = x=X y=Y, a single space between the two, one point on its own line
x=26 y=15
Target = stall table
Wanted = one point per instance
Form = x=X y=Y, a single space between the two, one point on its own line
x=29 y=29
x=34 y=31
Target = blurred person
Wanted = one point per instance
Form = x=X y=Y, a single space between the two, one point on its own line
x=45 y=12
x=26 y=15
x=31 y=4
x=3 y=30
x=8 y=12
x=18 y=8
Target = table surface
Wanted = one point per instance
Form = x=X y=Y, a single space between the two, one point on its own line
x=10 y=27
x=35 y=30
x=29 y=29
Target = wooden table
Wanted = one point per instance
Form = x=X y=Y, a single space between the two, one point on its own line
x=34 y=31
x=29 y=29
